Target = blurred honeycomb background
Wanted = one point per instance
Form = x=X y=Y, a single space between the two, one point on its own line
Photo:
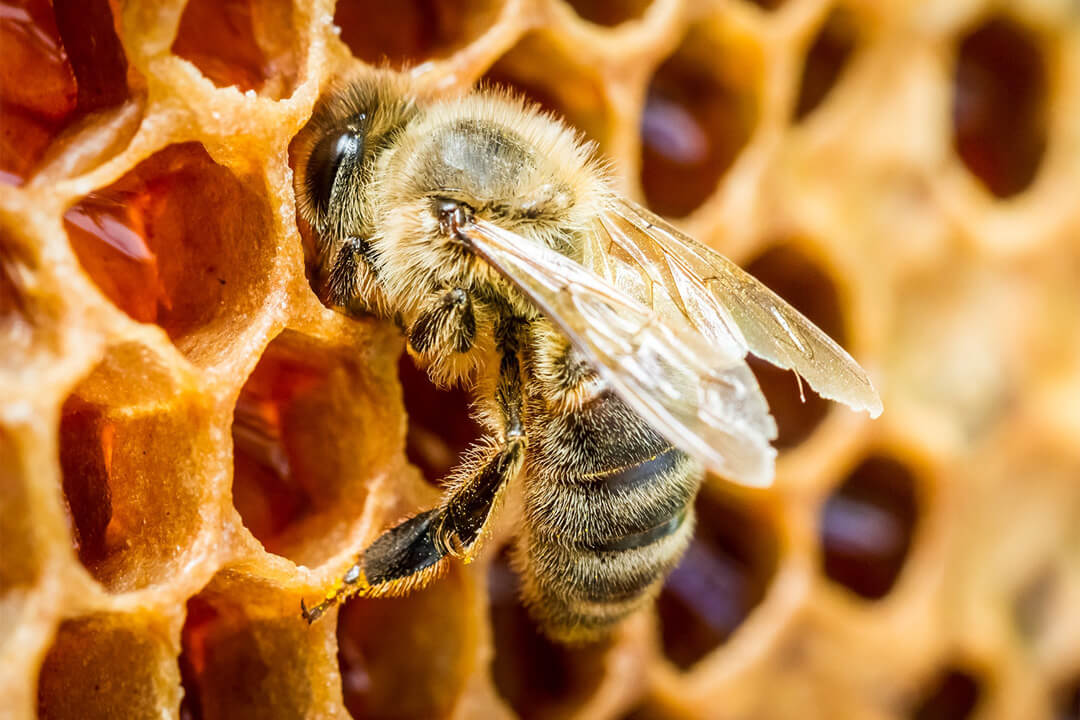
x=190 y=442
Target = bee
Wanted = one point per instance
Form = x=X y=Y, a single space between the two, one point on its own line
x=606 y=349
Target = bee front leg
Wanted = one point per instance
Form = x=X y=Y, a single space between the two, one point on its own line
x=352 y=277
x=449 y=322
x=410 y=554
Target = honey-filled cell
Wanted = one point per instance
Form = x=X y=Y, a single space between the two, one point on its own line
x=999 y=105
x=698 y=115
x=724 y=575
x=825 y=61
x=408 y=32
x=181 y=242
x=867 y=527
x=71 y=51
x=536 y=676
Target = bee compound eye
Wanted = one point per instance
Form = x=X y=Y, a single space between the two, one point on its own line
x=327 y=157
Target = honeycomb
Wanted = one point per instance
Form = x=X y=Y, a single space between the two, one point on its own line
x=190 y=442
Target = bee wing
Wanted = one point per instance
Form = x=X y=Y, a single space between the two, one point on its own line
x=706 y=403
x=723 y=302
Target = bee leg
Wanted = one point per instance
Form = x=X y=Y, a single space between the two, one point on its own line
x=450 y=322
x=411 y=553
x=351 y=265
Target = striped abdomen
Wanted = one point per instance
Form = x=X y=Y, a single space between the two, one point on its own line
x=608 y=513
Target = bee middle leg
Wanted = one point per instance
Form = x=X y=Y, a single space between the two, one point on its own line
x=410 y=554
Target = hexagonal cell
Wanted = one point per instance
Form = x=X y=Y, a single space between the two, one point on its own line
x=132 y=448
x=800 y=281
x=181 y=242
x=249 y=44
x=999 y=105
x=539 y=69
x=407 y=32
x=723 y=577
x=867 y=526
x=108 y=666
x=71 y=50
x=406 y=657
x=440 y=425
x=1067 y=700
x=953 y=695
x=247 y=653
x=609 y=12
x=825 y=60
x=535 y=676
x=699 y=113
x=313 y=426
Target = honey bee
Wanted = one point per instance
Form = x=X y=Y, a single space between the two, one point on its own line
x=606 y=349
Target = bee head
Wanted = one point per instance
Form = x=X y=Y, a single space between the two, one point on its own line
x=335 y=152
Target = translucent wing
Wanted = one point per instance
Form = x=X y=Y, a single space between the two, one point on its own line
x=728 y=306
x=703 y=400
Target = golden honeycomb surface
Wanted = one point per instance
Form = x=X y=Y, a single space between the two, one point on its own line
x=190 y=442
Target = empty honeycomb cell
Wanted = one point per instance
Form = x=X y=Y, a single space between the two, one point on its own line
x=407 y=32
x=108 y=666
x=953 y=695
x=721 y=579
x=867 y=526
x=243 y=43
x=246 y=653
x=539 y=69
x=126 y=463
x=1067 y=701
x=609 y=12
x=305 y=444
x=179 y=241
x=406 y=657
x=538 y=678
x=999 y=105
x=441 y=426
x=700 y=111
x=795 y=277
x=825 y=60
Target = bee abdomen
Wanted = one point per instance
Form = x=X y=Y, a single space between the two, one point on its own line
x=608 y=514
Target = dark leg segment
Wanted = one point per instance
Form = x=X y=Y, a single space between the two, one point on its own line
x=409 y=553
